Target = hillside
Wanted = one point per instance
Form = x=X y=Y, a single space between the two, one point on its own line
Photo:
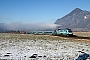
x=78 y=20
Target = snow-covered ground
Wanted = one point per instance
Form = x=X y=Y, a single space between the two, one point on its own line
x=64 y=49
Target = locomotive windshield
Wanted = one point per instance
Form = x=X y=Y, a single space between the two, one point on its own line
x=69 y=30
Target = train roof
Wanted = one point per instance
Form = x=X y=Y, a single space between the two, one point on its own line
x=64 y=29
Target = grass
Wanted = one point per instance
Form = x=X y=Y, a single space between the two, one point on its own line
x=28 y=36
x=85 y=34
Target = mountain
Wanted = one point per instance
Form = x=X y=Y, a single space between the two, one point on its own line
x=76 y=20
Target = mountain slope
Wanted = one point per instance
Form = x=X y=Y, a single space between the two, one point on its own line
x=76 y=20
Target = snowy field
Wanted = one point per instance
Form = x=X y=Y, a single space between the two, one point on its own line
x=22 y=46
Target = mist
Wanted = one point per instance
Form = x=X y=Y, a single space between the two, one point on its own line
x=26 y=26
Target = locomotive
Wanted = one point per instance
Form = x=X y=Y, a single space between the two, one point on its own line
x=63 y=32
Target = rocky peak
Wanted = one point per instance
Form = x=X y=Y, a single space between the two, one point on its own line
x=77 y=9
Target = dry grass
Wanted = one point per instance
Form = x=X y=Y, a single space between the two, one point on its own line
x=85 y=34
x=29 y=37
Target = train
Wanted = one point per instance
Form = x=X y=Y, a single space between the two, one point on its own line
x=63 y=32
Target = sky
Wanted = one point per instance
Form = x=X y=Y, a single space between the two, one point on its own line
x=37 y=11
x=47 y=11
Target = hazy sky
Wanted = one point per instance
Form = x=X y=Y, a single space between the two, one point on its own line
x=47 y=11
